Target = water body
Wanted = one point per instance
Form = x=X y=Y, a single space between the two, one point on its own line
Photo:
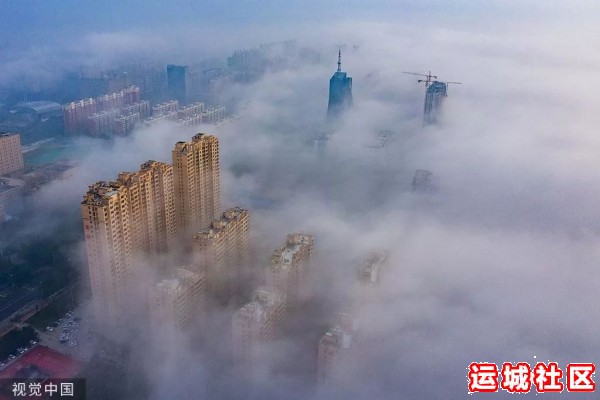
x=54 y=151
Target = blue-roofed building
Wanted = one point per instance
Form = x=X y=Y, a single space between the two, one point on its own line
x=41 y=108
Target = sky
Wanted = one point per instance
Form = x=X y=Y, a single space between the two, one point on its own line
x=500 y=265
x=42 y=40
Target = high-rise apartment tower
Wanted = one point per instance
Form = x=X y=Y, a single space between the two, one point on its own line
x=123 y=220
x=176 y=302
x=221 y=250
x=289 y=269
x=260 y=321
x=197 y=189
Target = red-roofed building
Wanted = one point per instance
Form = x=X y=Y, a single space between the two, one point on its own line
x=42 y=362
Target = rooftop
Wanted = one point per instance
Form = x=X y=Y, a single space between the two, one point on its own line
x=41 y=107
x=168 y=285
x=288 y=253
x=100 y=192
x=293 y=245
x=338 y=338
x=253 y=310
x=342 y=333
x=221 y=224
x=262 y=301
x=45 y=362
x=177 y=283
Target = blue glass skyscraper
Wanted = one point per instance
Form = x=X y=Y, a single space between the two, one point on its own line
x=434 y=97
x=340 y=91
x=177 y=82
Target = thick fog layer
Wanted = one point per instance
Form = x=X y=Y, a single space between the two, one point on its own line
x=499 y=265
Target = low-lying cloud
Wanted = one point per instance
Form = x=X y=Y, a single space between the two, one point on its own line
x=499 y=265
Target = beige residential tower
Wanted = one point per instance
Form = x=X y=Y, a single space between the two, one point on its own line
x=11 y=156
x=196 y=183
x=289 y=269
x=176 y=302
x=125 y=220
x=256 y=324
x=221 y=250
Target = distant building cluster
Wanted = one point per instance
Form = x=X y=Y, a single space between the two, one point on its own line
x=186 y=84
x=119 y=113
x=98 y=117
x=188 y=116
x=247 y=65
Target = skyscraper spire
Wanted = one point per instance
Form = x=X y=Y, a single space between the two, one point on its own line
x=340 y=90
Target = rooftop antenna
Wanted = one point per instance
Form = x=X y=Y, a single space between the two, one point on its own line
x=339 y=60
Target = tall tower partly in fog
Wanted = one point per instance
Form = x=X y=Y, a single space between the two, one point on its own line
x=122 y=220
x=196 y=184
x=340 y=91
x=434 y=97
